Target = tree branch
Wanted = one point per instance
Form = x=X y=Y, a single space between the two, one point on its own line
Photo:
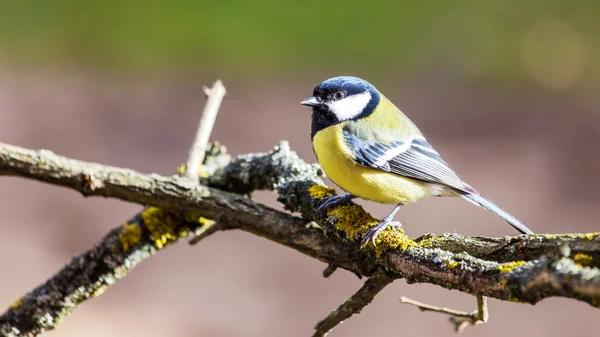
x=89 y=274
x=459 y=319
x=522 y=268
x=354 y=304
x=209 y=115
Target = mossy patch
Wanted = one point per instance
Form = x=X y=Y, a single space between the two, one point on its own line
x=200 y=220
x=101 y=289
x=17 y=303
x=450 y=264
x=354 y=222
x=319 y=191
x=130 y=235
x=583 y=260
x=162 y=226
x=515 y=300
x=590 y=236
x=392 y=238
x=203 y=173
x=510 y=266
x=429 y=242
x=205 y=222
x=183 y=167
x=595 y=301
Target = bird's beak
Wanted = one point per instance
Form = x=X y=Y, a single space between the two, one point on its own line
x=311 y=101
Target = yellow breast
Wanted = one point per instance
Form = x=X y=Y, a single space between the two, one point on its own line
x=364 y=182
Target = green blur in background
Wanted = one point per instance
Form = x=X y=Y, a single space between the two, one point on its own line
x=551 y=42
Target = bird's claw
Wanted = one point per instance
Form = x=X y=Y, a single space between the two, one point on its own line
x=332 y=201
x=374 y=232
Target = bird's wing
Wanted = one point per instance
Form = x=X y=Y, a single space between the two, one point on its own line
x=411 y=157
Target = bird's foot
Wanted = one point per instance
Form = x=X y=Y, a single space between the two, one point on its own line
x=374 y=232
x=332 y=201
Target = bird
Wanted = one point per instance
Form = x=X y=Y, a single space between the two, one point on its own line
x=373 y=151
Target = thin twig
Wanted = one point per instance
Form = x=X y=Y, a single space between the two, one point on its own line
x=329 y=270
x=208 y=228
x=198 y=149
x=209 y=115
x=204 y=232
x=354 y=304
x=460 y=319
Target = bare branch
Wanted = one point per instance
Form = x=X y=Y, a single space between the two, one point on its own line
x=209 y=114
x=363 y=297
x=208 y=228
x=459 y=319
x=329 y=270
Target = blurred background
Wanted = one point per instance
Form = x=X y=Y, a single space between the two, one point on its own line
x=505 y=90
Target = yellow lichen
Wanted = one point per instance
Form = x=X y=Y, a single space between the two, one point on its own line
x=205 y=222
x=162 y=226
x=202 y=221
x=582 y=259
x=427 y=243
x=450 y=264
x=100 y=290
x=590 y=236
x=595 y=301
x=515 y=300
x=508 y=267
x=203 y=172
x=392 y=239
x=587 y=236
x=319 y=192
x=16 y=303
x=182 y=232
x=353 y=221
x=130 y=236
x=181 y=169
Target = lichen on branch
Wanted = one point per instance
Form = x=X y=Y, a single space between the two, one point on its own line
x=88 y=275
x=521 y=268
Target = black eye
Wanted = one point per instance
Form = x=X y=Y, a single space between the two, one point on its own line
x=339 y=95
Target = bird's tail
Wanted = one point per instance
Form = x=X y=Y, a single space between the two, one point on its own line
x=482 y=202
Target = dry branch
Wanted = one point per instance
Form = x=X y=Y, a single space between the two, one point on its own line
x=354 y=304
x=459 y=319
x=209 y=115
x=521 y=268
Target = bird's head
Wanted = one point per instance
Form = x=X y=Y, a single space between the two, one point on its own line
x=342 y=98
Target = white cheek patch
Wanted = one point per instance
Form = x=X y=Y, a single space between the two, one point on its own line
x=350 y=106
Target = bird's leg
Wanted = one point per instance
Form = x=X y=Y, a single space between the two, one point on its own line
x=332 y=201
x=374 y=232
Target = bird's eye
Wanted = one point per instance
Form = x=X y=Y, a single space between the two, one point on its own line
x=339 y=95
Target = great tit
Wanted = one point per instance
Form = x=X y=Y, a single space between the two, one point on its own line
x=370 y=149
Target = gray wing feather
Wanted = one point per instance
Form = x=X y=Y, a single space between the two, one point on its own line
x=414 y=158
